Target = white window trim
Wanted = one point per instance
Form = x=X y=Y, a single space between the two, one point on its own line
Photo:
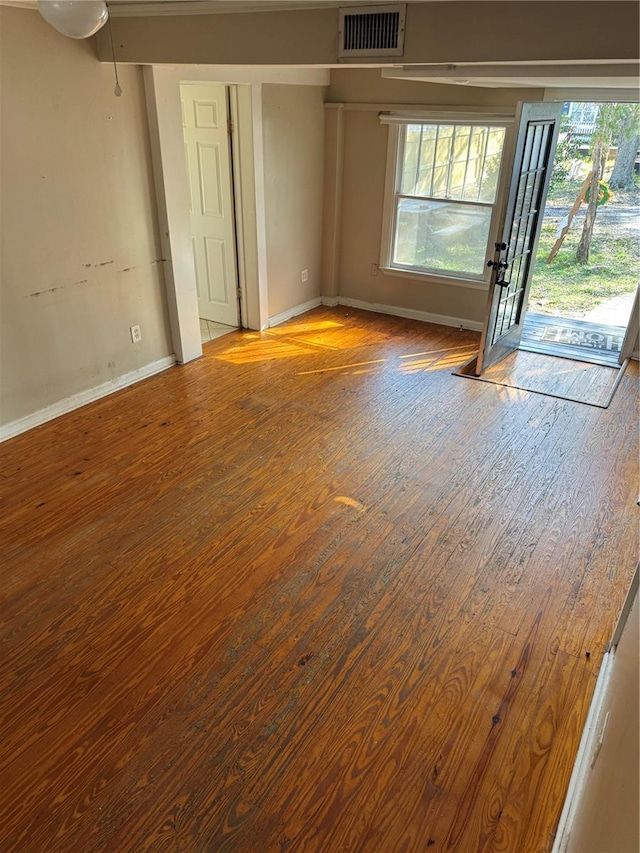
x=433 y=277
x=395 y=121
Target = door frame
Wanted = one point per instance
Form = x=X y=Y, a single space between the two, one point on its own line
x=632 y=333
x=601 y=96
x=162 y=88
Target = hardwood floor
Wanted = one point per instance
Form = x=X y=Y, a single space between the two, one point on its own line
x=582 y=382
x=309 y=593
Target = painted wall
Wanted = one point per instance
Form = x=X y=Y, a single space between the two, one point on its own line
x=436 y=32
x=293 y=138
x=80 y=256
x=368 y=86
x=363 y=179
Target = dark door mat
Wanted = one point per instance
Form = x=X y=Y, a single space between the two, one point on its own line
x=574 y=339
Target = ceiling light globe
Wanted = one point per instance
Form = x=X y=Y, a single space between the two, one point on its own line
x=77 y=19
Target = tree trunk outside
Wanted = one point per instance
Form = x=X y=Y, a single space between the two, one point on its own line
x=622 y=175
x=599 y=160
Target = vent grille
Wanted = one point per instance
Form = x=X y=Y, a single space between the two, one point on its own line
x=372 y=31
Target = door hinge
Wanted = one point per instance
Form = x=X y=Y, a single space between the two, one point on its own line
x=230 y=126
x=239 y=292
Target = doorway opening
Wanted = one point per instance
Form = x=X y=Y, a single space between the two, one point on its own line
x=210 y=330
x=580 y=308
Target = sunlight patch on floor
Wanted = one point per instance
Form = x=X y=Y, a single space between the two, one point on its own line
x=302 y=328
x=343 y=367
x=262 y=351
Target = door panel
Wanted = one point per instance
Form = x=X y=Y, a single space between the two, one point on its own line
x=538 y=126
x=210 y=180
x=206 y=114
x=204 y=110
x=216 y=272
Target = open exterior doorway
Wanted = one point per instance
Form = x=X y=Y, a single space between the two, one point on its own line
x=580 y=308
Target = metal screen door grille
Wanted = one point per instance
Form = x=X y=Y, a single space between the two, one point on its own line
x=538 y=139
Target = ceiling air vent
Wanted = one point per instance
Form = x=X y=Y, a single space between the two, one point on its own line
x=372 y=31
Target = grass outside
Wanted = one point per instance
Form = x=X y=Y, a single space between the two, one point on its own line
x=569 y=289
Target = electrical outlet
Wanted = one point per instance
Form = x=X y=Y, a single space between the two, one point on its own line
x=305 y=275
x=374 y=269
x=136 y=334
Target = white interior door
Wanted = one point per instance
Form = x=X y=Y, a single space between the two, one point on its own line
x=205 y=125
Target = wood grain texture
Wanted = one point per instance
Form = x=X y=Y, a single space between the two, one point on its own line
x=591 y=384
x=309 y=593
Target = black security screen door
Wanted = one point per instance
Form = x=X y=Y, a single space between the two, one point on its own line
x=538 y=126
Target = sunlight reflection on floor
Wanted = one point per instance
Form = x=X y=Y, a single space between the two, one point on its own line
x=262 y=350
x=307 y=338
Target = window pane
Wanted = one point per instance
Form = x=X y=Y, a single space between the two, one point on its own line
x=427 y=157
x=443 y=148
x=444 y=167
x=461 y=144
x=417 y=161
x=410 y=160
x=491 y=166
x=440 y=174
x=424 y=185
x=452 y=161
x=441 y=235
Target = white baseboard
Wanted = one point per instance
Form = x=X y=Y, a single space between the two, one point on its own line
x=586 y=750
x=28 y=422
x=407 y=313
x=378 y=308
x=293 y=312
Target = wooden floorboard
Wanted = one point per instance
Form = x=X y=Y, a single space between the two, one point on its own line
x=591 y=384
x=313 y=593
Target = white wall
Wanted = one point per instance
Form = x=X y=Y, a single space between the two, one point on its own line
x=293 y=135
x=606 y=817
x=80 y=258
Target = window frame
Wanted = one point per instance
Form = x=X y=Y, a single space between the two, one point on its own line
x=392 y=194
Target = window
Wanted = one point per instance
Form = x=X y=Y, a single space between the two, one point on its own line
x=444 y=193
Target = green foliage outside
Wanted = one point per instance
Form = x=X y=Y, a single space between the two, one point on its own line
x=610 y=266
x=567 y=150
x=569 y=289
